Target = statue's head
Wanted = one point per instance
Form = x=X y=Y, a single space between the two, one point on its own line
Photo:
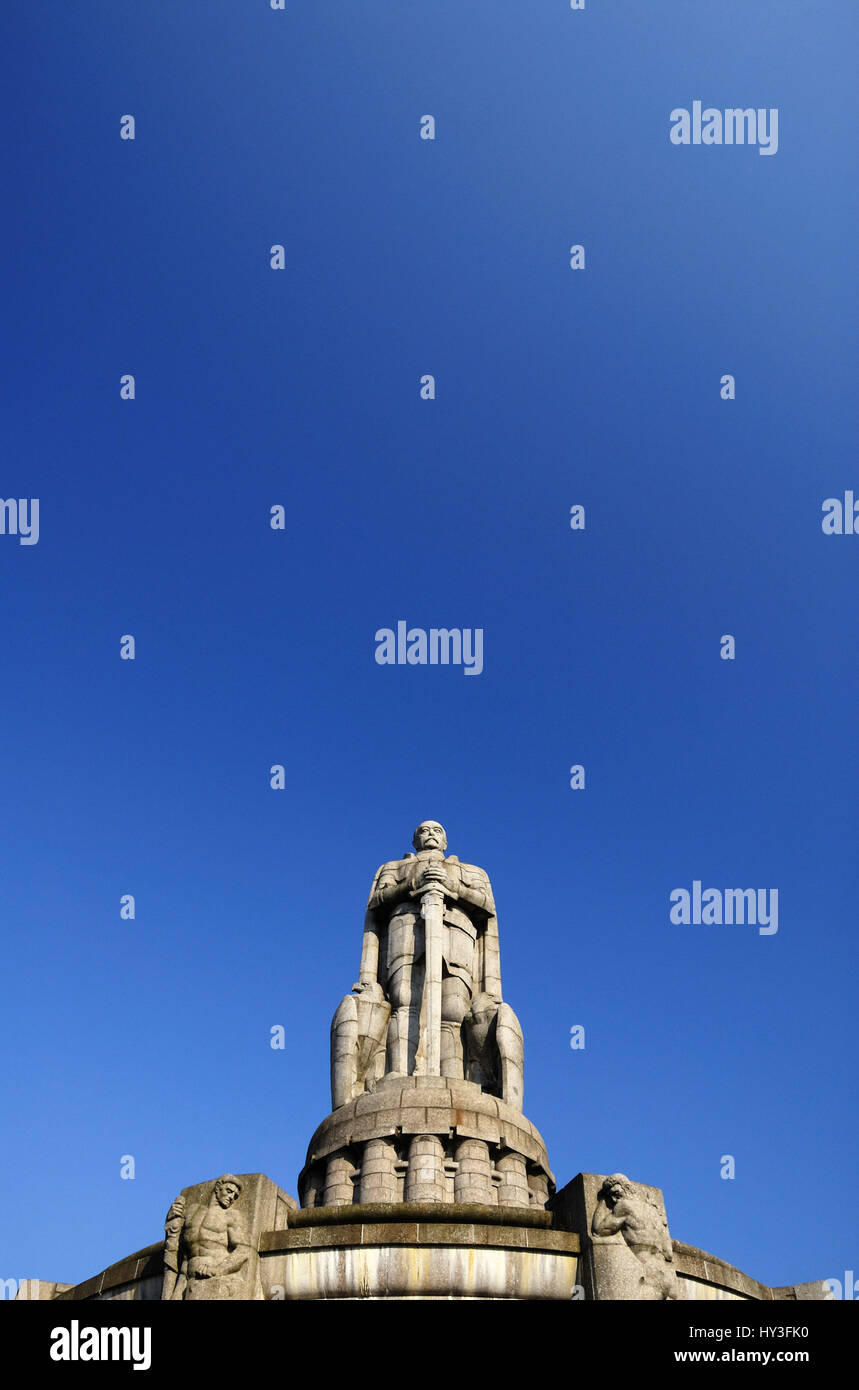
x=227 y=1189
x=430 y=835
x=616 y=1187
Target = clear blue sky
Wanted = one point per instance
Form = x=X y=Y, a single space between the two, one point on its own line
x=554 y=387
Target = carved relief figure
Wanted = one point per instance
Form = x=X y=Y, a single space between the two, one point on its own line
x=623 y=1209
x=206 y=1249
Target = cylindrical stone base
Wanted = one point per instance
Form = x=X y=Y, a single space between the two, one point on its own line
x=538 y=1185
x=425 y=1175
x=314 y=1192
x=473 y=1180
x=513 y=1189
x=378 y=1175
x=339 y=1188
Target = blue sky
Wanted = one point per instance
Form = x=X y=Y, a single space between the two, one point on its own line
x=601 y=647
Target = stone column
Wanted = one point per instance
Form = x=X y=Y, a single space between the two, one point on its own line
x=538 y=1186
x=425 y=1176
x=339 y=1189
x=473 y=1180
x=378 y=1175
x=314 y=1190
x=513 y=1190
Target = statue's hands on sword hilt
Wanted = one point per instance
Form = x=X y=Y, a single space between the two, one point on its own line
x=434 y=888
x=434 y=877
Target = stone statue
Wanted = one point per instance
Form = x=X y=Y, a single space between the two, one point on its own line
x=623 y=1210
x=428 y=1000
x=206 y=1249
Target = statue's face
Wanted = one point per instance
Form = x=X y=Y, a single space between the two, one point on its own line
x=430 y=835
x=226 y=1193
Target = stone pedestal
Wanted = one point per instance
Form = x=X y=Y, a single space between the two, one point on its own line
x=426 y=1139
x=420 y=1250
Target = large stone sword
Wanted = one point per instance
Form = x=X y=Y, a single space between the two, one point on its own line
x=432 y=911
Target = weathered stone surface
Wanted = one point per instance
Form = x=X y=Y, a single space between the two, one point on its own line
x=699 y=1267
x=425 y=1176
x=816 y=1291
x=141 y=1291
x=423 y=1259
x=90 y=1288
x=705 y=1276
x=37 y=1290
x=532 y=1217
x=513 y=1187
x=413 y=1271
x=141 y=1272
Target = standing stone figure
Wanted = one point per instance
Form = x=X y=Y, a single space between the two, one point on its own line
x=206 y=1249
x=622 y=1208
x=172 y=1233
x=428 y=999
